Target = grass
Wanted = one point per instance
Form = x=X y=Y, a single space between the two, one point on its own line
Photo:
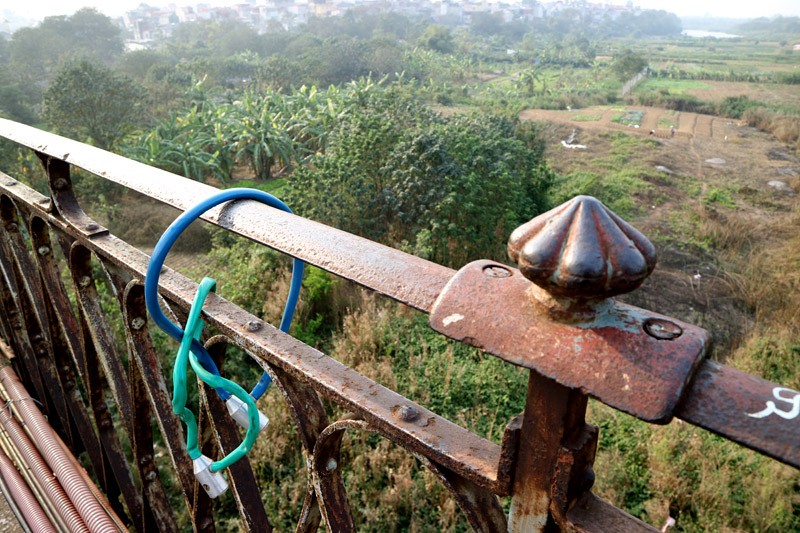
x=586 y=118
x=274 y=186
x=672 y=86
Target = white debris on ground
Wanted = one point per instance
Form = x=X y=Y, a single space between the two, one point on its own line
x=716 y=161
x=780 y=186
x=570 y=142
x=662 y=168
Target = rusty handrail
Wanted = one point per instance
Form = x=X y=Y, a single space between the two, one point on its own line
x=660 y=351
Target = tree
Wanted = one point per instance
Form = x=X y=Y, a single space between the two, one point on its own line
x=487 y=24
x=627 y=64
x=449 y=189
x=92 y=103
x=437 y=38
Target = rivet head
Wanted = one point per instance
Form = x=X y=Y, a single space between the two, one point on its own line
x=331 y=464
x=91 y=226
x=406 y=413
x=151 y=476
x=581 y=249
x=661 y=329
x=84 y=281
x=137 y=323
x=43 y=250
x=59 y=184
x=253 y=326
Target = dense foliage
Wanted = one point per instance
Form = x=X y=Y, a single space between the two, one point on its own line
x=89 y=101
x=448 y=189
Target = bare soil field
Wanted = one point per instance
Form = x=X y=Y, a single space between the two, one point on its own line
x=714 y=173
x=689 y=124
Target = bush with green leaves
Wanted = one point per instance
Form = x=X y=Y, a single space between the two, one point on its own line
x=449 y=189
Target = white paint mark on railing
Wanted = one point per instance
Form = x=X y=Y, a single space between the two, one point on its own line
x=793 y=400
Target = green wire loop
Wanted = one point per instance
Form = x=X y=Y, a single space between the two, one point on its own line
x=193 y=330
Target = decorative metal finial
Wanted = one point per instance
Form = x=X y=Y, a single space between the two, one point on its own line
x=582 y=250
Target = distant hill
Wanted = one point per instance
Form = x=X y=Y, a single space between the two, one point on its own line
x=712 y=23
x=772 y=26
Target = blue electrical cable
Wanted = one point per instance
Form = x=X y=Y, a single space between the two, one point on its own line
x=159 y=255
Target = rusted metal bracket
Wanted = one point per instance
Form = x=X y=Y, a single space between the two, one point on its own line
x=58 y=175
x=634 y=360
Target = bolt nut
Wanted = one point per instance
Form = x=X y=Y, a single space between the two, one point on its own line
x=91 y=226
x=84 y=281
x=43 y=250
x=661 y=329
x=254 y=325
x=331 y=464
x=137 y=323
x=151 y=476
x=59 y=184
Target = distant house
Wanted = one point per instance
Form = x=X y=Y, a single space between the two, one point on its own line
x=796 y=47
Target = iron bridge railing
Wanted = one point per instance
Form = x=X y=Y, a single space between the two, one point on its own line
x=555 y=315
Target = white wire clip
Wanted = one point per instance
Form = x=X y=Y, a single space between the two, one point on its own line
x=238 y=411
x=214 y=483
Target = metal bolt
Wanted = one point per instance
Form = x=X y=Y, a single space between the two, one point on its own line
x=253 y=326
x=43 y=250
x=151 y=476
x=145 y=459
x=661 y=329
x=69 y=385
x=105 y=423
x=91 y=226
x=137 y=323
x=496 y=271
x=11 y=183
x=331 y=464
x=84 y=281
x=406 y=413
x=59 y=184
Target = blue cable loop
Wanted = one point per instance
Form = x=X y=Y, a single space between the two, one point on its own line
x=159 y=255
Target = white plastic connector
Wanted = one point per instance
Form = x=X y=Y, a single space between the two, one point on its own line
x=238 y=411
x=214 y=483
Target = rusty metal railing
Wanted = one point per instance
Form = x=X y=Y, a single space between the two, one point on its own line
x=555 y=316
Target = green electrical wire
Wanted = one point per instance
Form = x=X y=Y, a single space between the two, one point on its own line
x=193 y=330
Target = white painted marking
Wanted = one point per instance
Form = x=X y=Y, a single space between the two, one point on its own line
x=452 y=319
x=793 y=400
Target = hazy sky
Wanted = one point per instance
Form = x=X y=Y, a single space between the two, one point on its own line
x=37 y=9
